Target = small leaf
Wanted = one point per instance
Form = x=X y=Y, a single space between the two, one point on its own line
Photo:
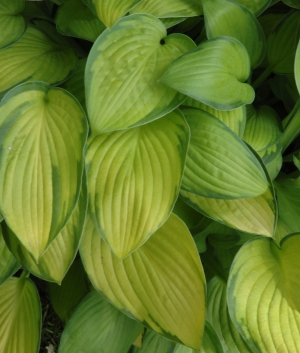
x=43 y=131
x=161 y=284
x=213 y=73
x=263 y=294
x=99 y=327
x=20 y=320
x=152 y=342
x=128 y=60
x=219 y=164
x=133 y=180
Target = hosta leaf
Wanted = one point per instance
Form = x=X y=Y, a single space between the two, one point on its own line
x=213 y=73
x=169 y=8
x=8 y=263
x=35 y=57
x=99 y=327
x=219 y=164
x=12 y=23
x=255 y=215
x=56 y=260
x=272 y=159
x=263 y=128
x=255 y=6
x=133 y=179
x=218 y=317
x=282 y=44
x=170 y=22
x=128 y=60
x=189 y=215
x=42 y=133
x=292 y=3
x=75 y=19
x=263 y=294
x=229 y=18
x=235 y=119
x=20 y=320
x=109 y=11
x=152 y=342
x=297 y=67
x=166 y=266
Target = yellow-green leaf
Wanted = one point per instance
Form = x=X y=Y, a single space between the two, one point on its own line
x=272 y=159
x=122 y=72
x=263 y=294
x=255 y=6
x=133 y=180
x=20 y=319
x=161 y=284
x=152 y=342
x=42 y=133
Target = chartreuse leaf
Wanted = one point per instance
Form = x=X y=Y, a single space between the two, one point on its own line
x=235 y=119
x=109 y=11
x=263 y=294
x=152 y=342
x=128 y=60
x=13 y=24
x=58 y=257
x=255 y=215
x=229 y=18
x=99 y=327
x=20 y=319
x=8 y=263
x=292 y=3
x=35 y=57
x=219 y=164
x=255 y=6
x=42 y=133
x=169 y=8
x=297 y=67
x=75 y=19
x=213 y=73
x=166 y=266
x=263 y=128
x=282 y=44
x=133 y=180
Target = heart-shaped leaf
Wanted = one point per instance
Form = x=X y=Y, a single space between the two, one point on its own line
x=13 y=24
x=263 y=294
x=229 y=18
x=153 y=342
x=42 y=133
x=128 y=60
x=166 y=266
x=99 y=327
x=255 y=6
x=213 y=73
x=20 y=319
x=219 y=164
x=134 y=178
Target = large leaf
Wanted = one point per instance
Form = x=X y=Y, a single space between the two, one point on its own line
x=255 y=6
x=255 y=215
x=35 y=57
x=263 y=294
x=97 y=326
x=42 y=133
x=125 y=62
x=152 y=342
x=8 y=263
x=235 y=119
x=109 y=11
x=219 y=164
x=161 y=284
x=213 y=73
x=229 y=18
x=12 y=24
x=75 y=19
x=56 y=260
x=133 y=179
x=169 y=8
x=20 y=319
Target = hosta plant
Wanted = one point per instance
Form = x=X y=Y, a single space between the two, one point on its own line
x=150 y=175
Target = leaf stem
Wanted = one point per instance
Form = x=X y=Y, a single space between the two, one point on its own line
x=263 y=76
x=24 y=273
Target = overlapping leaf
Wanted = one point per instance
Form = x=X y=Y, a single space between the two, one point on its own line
x=263 y=294
x=42 y=133
x=229 y=18
x=292 y=3
x=272 y=159
x=152 y=342
x=98 y=326
x=213 y=73
x=161 y=284
x=255 y=6
x=122 y=72
x=133 y=179
x=20 y=319
x=219 y=164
